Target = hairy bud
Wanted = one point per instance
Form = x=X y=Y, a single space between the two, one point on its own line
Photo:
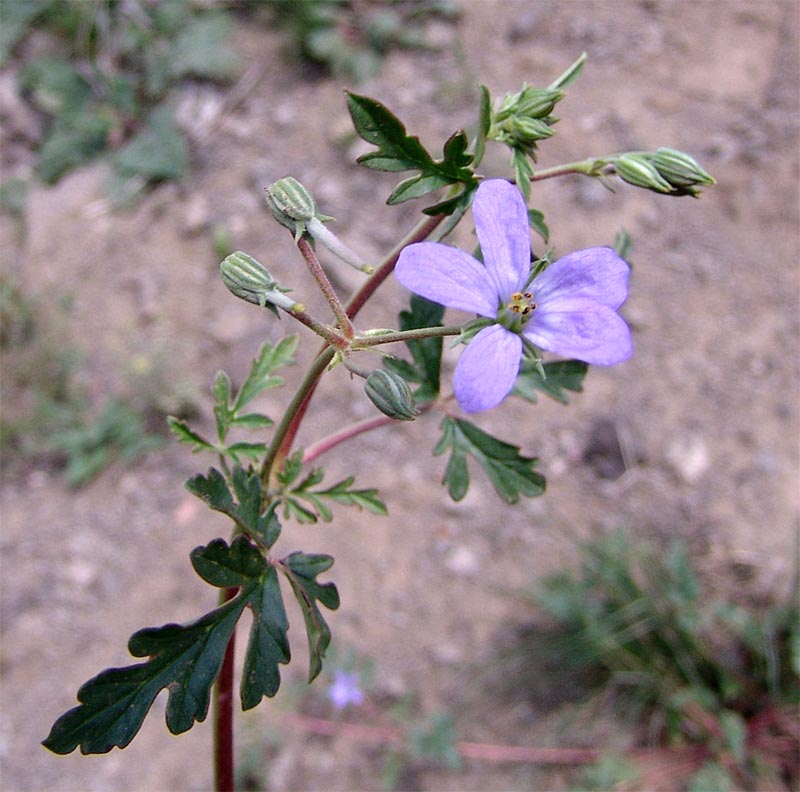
x=250 y=280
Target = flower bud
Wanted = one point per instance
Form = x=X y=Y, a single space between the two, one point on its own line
x=679 y=169
x=249 y=280
x=637 y=170
x=289 y=202
x=390 y=393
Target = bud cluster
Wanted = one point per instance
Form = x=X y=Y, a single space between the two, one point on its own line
x=665 y=171
x=523 y=118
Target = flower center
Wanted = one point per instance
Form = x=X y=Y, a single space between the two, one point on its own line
x=516 y=313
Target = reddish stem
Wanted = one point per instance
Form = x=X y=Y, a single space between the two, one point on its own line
x=356 y=303
x=223 y=713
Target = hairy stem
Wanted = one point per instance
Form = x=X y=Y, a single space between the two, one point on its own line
x=223 y=712
x=362 y=342
x=325 y=286
x=331 y=336
x=287 y=430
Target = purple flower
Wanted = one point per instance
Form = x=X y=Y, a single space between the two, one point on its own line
x=345 y=689
x=570 y=308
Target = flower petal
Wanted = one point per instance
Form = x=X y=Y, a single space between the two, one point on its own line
x=487 y=369
x=501 y=222
x=448 y=276
x=596 y=273
x=581 y=329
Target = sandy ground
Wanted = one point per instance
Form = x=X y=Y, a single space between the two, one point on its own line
x=707 y=408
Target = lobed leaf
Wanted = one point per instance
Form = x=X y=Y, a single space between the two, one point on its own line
x=511 y=474
x=268 y=645
x=301 y=571
x=183 y=658
x=399 y=151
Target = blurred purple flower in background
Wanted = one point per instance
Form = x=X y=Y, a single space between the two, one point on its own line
x=570 y=308
x=345 y=689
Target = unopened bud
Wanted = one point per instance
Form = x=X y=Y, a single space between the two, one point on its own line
x=390 y=393
x=529 y=102
x=637 y=170
x=249 y=280
x=679 y=169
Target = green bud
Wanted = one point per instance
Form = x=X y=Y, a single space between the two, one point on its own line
x=529 y=102
x=637 y=170
x=679 y=169
x=390 y=393
x=528 y=130
x=288 y=200
x=249 y=280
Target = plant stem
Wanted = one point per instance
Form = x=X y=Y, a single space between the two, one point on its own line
x=418 y=234
x=286 y=431
x=361 y=342
x=325 y=285
x=333 y=337
x=586 y=167
x=223 y=712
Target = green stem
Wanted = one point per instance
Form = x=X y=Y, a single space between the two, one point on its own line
x=361 y=342
x=587 y=167
x=287 y=428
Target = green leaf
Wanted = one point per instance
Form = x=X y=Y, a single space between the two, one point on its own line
x=537 y=223
x=182 y=431
x=158 y=152
x=72 y=141
x=484 y=124
x=511 y=474
x=268 y=645
x=228 y=567
x=248 y=513
x=185 y=659
x=571 y=74
x=314 y=506
x=200 y=49
x=426 y=353
x=261 y=377
x=560 y=376
x=252 y=421
x=399 y=151
x=301 y=571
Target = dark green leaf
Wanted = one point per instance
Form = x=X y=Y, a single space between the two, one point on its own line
x=228 y=567
x=247 y=513
x=560 y=376
x=213 y=490
x=398 y=151
x=426 y=353
x=537 y=223
x=301 y=571
x=268 y=645
x=185 y=659
x=511 y=474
